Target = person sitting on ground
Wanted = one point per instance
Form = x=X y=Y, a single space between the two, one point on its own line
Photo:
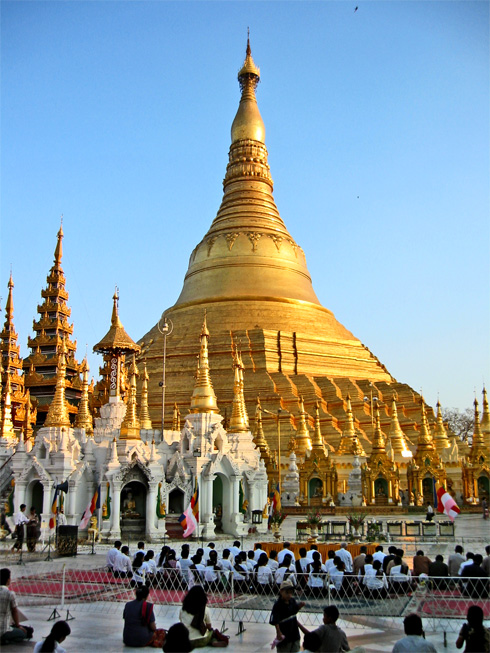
x=375 y=581
x=264 y=576
x=302 y=567
x=212 y=572
x=225 y=562
x=258 y=551
x=177 y=640
x=286 y=550
x=336 y=577
x=59 y=632
x=250 y=562
x=111 y=555
x=486 y=561
x=183 y=565
x=400 y=576
x=359 y=561
x=141 y=549
x=474 y=633
x=285 y=571
x=421 y=564
x=332 y=638
x=346 y=557
x=122 y=563
x=379 y=554
x=313 y=548
x=235 y=549
x=139 y=571
x=150 y=564
x=196 y=571
x=316 y=577
x=273 y=564
x=398 y=553
x=389 y=558
x=206 y=551
x=329 y=564
x=414 y=639
x=469 y=561
x=438 y=572
x=9 y=614
x=367 y=568
x=139 y=621
x=454 y=561
x=240 y=575
x=283 y=617
x=162 y=557
x=477 y=584
x=195 y=616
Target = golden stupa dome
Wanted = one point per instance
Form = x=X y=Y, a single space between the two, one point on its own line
x=248 y=123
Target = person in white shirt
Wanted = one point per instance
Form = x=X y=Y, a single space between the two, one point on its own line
x=122 y=563
x=141 y=549
x=375 y=582
x=195 y=573
x=206 y=551
x=346 y=557
x=20 y=520
x=285 y=571
x=183 y=566
x=316 y=577
x=212 y=571
x=250 y=562
x=273 y=564
x=336 y=576
x=309 y=555
x=330 y=563
x=240 y=574
x=149 y=564
x=400 y=576
x=225 y=562
x=139 y=569
x=469 y=561
x=285 y=551
x=60 y=517
x=263 y=573
x=235 y=549
x=258 y=551
x=111 y=554
x=379 y=554
x=368 y=565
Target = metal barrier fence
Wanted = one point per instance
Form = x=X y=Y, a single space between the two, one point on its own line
x=362 y=602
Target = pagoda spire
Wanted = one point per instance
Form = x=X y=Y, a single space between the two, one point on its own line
x=84 y=417
x=396 y=437
x=349 y=442
x=176 y=418
x=478 y=442
x=239 y=418
x=130 y=426
x=485 y=420
x=203 y=399
x=259 y=437
x=302 y=437
x=58 y=412
x=51 y=329
x=6 y=425
x=425 y=443
x=145 y=421
x=441 y=441
x=378 y=438
x=317 y=439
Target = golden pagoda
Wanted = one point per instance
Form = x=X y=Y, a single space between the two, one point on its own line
x=130 y=427
x=250 y=275
x=23 y=413
x=476 y=470
x=114 y=346
x=318 y=474
x=485 y=420
x=58 y=409
x=380 y=474
x=52 y=329
x=84 y=417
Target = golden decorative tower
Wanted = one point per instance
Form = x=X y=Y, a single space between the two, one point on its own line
x=380 y=475
x=396 y=436
x=425 y=443
x=441 y=441
x=23 y=414
x=58 y=410
x=176 y=418
x=349 y=442
x=317 y=439
x=145 y=421
x=259 y=438
x=6 y=424
x=302 y=437
x=239 y=418
x=478 y=443
x=130 y=427
x=251 y=276
x=203 y=399
x=485 y=420
x=84 y=417
x=51 y=329
x=115 y=346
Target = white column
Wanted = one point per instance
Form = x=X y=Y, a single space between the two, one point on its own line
x=206 y=516
x=151 y=516
x=116 y=509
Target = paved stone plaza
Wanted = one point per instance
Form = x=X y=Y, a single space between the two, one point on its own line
x=101 y=629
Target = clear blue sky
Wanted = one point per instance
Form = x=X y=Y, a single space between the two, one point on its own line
x=118 y=115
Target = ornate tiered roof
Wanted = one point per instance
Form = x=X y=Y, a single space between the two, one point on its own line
x=52 y=330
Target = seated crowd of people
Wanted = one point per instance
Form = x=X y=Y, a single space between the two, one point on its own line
x=375 y=575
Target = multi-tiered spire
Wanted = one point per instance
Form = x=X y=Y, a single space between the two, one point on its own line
x=239 y=418
x=259 y=438
x=349 y=442
x=145 y=421
x=130 y=427
x=396 y=437
x=302 y=437
x=84 y=417
x=203 y=398
x=22 y=413
x=485 y=420
x=441 y=440
x=478 y=449
x=51 y=330
x=115 y=346
x=58 y=409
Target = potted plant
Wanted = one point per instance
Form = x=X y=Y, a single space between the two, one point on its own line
x=275 y=521
x=313 y=519
x=356 y=521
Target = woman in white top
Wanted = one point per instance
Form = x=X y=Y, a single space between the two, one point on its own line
x=212 y=572
x=400 y=576
x=285 y=571
x=375 y=582
x=195 y=616
x=336 y=577
x=263 y=574
x=139 y=571
x=316 y=578
x=59 y=632
x=195 y=572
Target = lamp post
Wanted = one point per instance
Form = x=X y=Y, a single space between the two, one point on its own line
x=372 y=400
x=277 y=418
x=166 y=329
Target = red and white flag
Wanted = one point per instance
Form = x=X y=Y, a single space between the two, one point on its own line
x=446 y=504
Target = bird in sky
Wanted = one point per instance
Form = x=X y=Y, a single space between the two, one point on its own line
x=356 y=9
